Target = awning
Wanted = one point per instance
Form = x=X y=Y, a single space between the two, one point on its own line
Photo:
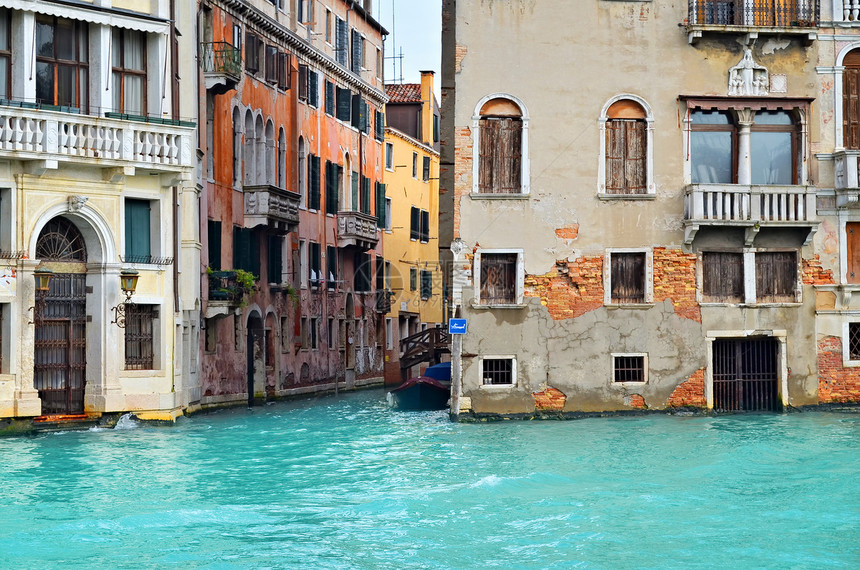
x=89 y=13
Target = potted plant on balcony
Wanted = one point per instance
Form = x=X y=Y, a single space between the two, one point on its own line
x=231 y=285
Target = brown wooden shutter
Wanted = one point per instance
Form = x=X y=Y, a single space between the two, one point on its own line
x=635 y=152
x=776 y=276
x=723 y=277
x=509 y=164
x=852 y=231
x=851 y=108
x=489 y=137
x=628 y=277
x=614 y=157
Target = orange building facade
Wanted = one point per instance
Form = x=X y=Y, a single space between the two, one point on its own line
x=291 y=131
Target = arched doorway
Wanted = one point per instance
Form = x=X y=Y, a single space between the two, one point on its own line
x=255 y=356
x=60 y=343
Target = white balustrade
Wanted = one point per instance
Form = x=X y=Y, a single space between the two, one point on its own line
x=32 y=134
x=742 y=204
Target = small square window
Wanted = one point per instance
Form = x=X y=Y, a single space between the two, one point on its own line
x=497 y=371
x=854 y=341
x=629 y=368
x=498 y=285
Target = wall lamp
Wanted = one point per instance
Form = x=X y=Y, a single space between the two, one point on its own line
x=42 y=276
x=128 y=283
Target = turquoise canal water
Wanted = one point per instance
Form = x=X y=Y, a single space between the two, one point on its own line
x=348 y=483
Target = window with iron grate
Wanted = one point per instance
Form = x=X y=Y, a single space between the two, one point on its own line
x=498 y=371
x=498 y=285
x=139 y=334
x=629 y=368
x=854 y=341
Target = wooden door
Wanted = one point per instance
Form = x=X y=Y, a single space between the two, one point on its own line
x=852 y=240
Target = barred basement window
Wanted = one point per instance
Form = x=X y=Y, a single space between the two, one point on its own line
x=497 y=371
x=139 y=336
x=498 y=279
x=854 y=341
x=629 y=368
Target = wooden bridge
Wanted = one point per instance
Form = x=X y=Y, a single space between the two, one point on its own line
x=426 y=346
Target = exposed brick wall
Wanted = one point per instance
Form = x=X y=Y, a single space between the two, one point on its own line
x=462 y=171
x=814 y=274
x=572 y=289
x=835 y=382
x=550 y=399
x=675 y=279
x=691 y=392
x=568 y=232
x=636 y=401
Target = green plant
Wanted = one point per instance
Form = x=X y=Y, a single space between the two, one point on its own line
x=292 y=293
x=246 y=280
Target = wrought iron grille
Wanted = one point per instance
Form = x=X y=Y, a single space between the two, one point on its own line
x=854 y=341
x=629 y=368
x=60 y=240
x=498 y=371
x=60 y=346
x=745 y=375
x=221 y=57
x=139 y=336
x=774 y=13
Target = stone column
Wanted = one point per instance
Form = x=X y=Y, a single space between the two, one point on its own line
x=745 y=122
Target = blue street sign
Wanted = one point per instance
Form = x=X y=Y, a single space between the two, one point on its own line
x=457 y=326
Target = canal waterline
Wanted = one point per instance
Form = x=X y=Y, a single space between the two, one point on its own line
x=347 y=482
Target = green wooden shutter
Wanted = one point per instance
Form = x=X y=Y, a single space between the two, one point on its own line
x=355 y=183
x=137 y=234
x=275 y=262
x=214 y=235
x=344 y=104
x=329 y=98
x=414 y=223
x=365 y=195
x=314 y=180
x=380 y=205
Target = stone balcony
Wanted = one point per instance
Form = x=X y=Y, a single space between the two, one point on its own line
x=846 y=12
x=751 y=207
x=47 y=138
x=222 y=66
x=273 y=207
x=846 y=180
x=751 y=19
x=356 y=229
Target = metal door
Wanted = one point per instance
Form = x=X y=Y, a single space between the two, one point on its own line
x=745 y=374
x=60 y=346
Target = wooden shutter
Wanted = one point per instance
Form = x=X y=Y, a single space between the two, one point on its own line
x=275 y=266
x=303 y=82
x=356 y=110
x=137 y=231
x=851 y=107
x=634 y=159
x=341 y=42
x=329 y=98
x=852 y=231
x=344 y=104
x=628 y=277
x=284 y=70
x=356 y=52
x=776 y=276
x=488 y=137
x=415 y=223
x=365 y=195
x=313 y=89
x=331 y=186
x=380 y=205
x=509 y=163
x=723 y=277
x=271 y=64
x=314 y=181
x=424 y=230
x=355 y=186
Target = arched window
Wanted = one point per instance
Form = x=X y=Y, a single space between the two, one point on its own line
x=500 y=147
x=260 y=152
x=302 y=189
x=237 y=147
x=282 y=159
x=61 y=240
x=270 y=153
x=626 y=140
x=248 y=149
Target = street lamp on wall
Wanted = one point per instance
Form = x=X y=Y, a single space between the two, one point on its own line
x=42 y=277
x=128 y=283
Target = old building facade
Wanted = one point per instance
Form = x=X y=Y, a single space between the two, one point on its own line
x=96 y=182
x=667 y=221
x=292 y=136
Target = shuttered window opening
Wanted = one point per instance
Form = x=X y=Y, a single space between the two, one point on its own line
x=313 y=182
x=628 y=277
x=629 y=368
x=414 y=223
x=362 y=272
x=379 y=123
x=344 y=104
x=365 y=195
x=329 y=98
x=776 y=276
x=333 y=177
x=424 y=229
x=498 y=279
x=851 y=100
x=341 y=45
x=138 y=245
x=214 y=236
x=722 y=277
x=497 y=371
x=252 y=53
x=357 y=52
x=413 y=279
x=313 y=89
x=426 y=284
x=331 y=266
x=500 y=155
x=139 y=320
x=275 y=265
x=625 y=156
x=380 y=206
x=303 y=82
x=284 y=70
x=854 y=341
x=426 y=169
x=271 y=64
x=315 y=264
x=354 y=203
x=246 y=250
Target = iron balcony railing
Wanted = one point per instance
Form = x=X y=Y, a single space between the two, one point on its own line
x=221 y=57
x=763 y=13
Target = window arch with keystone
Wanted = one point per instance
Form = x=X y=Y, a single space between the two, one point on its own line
x=500 y=152
x=626 y=142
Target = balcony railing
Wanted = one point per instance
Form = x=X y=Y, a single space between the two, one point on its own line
x=847 y=11
x=39 y=134
x=766 y=13
x=355 y=229
x=270 y=206
x=222 y=65
x=847 y=180
x=751 y=207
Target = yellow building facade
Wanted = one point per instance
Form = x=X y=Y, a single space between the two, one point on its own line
x=411 y=236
